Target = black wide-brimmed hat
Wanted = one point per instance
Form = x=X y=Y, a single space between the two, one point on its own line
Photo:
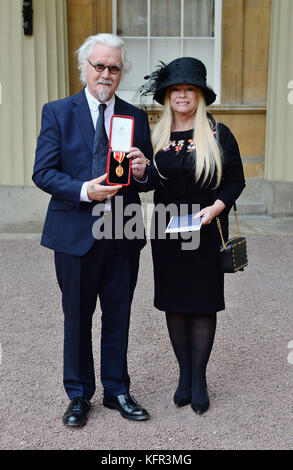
x=182 y=70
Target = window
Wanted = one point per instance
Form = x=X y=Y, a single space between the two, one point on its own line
x=155 y=30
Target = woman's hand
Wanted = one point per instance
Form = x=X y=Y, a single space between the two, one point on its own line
x=139 y=162
x=210 y=212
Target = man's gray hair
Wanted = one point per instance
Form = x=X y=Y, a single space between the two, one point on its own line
x=86 y=49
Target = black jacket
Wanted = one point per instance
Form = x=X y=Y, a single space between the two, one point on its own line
x=63 y=162
x=184 y=189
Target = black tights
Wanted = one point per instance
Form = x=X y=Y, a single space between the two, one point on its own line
x=192 y=338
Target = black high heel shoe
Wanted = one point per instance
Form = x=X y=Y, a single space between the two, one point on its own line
x=180 y=400
x=200 y=408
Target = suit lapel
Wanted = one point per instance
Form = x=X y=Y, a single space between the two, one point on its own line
x=121 y=107
x=83 y=116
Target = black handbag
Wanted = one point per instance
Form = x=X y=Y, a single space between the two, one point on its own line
x=233 y=253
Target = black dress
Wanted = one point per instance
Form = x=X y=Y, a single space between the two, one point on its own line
x=190 y=281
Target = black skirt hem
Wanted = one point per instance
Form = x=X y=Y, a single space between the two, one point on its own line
x=201 y=312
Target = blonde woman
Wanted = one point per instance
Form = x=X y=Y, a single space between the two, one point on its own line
x=194 y=169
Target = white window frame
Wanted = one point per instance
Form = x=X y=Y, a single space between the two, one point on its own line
x=217 y=40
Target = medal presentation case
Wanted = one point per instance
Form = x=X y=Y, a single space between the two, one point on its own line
x=120 y=141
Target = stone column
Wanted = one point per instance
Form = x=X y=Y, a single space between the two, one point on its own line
x=279 y=129
x=33 y=70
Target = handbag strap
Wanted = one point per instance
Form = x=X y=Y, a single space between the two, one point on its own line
x=220 y=227
x=234 y=207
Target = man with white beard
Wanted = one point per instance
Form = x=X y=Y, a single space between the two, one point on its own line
x=71 y=166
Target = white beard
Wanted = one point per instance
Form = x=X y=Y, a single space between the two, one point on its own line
x=103 y=95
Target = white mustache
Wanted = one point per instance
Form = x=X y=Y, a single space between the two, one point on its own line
x=104 y=82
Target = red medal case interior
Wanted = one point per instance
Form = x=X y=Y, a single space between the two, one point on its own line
x=120 y=141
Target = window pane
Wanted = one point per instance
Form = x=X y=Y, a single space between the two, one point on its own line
x=198 y=18
x=137 y=53
x=132 y=18
x=164 y=51
x=165 y=17
x=202 y=49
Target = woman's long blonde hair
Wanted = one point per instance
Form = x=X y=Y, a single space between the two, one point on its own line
x=208 y=152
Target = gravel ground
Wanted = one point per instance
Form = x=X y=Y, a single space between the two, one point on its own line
x=249 y=376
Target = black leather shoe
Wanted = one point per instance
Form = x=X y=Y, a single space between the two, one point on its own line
x=76 y=413
x=127 y=405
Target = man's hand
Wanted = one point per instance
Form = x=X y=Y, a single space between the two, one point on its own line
x=139 y=162
x=210 y=212
x=99 y=192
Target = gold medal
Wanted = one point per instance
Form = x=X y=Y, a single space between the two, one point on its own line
x=119 y=156
x=119 y=171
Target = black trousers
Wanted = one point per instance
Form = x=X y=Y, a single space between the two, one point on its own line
x=106 y=272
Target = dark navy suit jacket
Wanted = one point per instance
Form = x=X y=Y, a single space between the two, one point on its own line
x=63 y=163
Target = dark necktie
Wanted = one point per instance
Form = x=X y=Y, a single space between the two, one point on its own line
x=100 y=152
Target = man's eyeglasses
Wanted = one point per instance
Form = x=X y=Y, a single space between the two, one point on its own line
x=114 y=69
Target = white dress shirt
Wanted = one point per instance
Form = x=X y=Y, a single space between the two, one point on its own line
x=109 y=111
x=94 y=109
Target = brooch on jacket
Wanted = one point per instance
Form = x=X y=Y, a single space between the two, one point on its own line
x=174 y=144
x=178 y=145
x=191 y=145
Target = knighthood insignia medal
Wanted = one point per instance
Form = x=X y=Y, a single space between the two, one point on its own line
x=119 y=156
